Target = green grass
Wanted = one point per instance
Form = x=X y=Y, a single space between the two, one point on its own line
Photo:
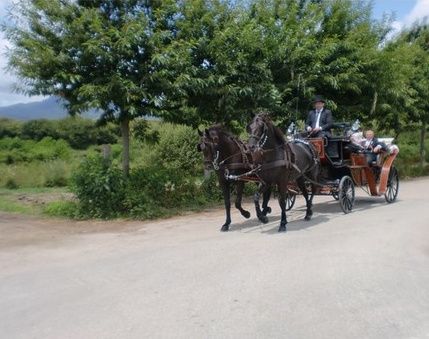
x=32 y=201
x=8 y=204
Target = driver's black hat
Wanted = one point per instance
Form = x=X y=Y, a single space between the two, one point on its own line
x=318 y=98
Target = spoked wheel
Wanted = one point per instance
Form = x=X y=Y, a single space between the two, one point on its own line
x=346 y=194
x=392 y=185
x=335 y=195
x=290 y=200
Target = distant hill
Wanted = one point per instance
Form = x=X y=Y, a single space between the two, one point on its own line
x=50 y=108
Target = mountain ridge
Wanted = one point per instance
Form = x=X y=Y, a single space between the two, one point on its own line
x=50 y=108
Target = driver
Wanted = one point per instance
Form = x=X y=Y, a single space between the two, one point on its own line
x=319 y=121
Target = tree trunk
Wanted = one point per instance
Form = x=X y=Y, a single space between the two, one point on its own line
x=125 y=131
x=422 y=144
x=374 y=103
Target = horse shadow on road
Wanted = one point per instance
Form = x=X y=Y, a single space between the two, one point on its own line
x=322 y=212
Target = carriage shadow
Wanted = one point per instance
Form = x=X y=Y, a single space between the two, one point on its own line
x=323 y=212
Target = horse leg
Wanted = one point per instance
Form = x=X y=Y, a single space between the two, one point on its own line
x=282 y=203
x=256 y=197
x=227 y=201
x=240 y=187
x=308 y=201
x=266 y=198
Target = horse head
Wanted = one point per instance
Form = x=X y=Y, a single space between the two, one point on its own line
x=258 y=130
x=207 y=146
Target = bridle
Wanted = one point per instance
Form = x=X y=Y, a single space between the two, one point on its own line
x=212 y=160
x=215 y=155
x=260 y=139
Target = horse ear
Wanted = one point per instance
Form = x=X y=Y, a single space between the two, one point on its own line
x=200 y=133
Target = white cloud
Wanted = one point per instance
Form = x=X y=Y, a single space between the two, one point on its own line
x=396 y=29
x=8 y=80
x=419 y=11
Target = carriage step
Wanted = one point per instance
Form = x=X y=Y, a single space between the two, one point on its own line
x=330 y=182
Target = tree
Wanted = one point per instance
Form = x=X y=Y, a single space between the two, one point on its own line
x=105 y=54
x=225 y=75
x=418 y=37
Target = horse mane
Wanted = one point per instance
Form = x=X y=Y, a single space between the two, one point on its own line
x=222 y=131
x=280 y=136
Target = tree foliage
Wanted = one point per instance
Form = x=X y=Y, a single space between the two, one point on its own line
x=205 y=61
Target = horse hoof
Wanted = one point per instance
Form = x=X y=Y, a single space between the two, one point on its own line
x=225 y=228
x=308 y=216
x=246 y=214
x=282 y=228
x=266 y=211
x=263 y=219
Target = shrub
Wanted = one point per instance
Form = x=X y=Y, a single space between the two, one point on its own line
x=177 y=150
x=147 y=192
x=9 y=128
x=68 y=209
x=56 y=181
x=14 y=150
x=152 y=190
x=210 y=188
x=38 y=129
x=37 y=173
x=142 y=132
x=49 y=149
x=100 y=188
x=11 y=184
x=81 y=133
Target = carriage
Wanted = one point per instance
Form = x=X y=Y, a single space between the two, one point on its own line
x=293 y=167
x=343 y=168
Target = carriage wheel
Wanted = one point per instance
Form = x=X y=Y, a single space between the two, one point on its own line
x=392 y=185
x=346 y=194
x=290 y=200
x=335 y=195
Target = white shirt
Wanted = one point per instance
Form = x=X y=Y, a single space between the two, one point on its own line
x=367 y=143
x=318 y=114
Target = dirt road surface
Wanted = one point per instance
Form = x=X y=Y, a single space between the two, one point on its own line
x=361 y=275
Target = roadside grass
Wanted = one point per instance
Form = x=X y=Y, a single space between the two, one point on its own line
x=58 y=202
x=41 y=187
x=34 y=200
x=8 y=204
x=36 y=174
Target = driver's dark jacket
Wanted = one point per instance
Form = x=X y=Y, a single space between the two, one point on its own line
x=325 y=121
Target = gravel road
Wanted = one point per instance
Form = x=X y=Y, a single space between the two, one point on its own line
x=361 y=275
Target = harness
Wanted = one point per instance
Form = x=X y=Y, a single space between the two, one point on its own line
x=289 y=160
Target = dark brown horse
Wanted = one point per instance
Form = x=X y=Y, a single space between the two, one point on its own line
x=226 y=154
x=280 y=163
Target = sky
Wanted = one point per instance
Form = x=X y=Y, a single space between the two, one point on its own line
x=404 y=11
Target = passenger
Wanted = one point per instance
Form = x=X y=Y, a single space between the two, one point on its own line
x=319 y=121
x=372 y=147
